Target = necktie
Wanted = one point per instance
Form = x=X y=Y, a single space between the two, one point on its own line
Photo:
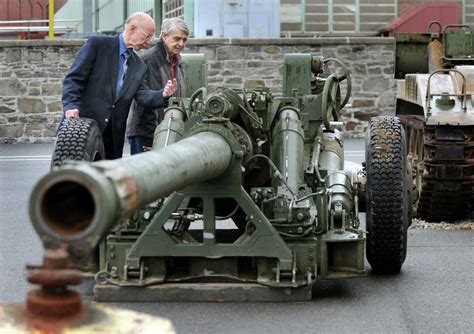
x=123 y=59
x=174 y=62
x=172 y=71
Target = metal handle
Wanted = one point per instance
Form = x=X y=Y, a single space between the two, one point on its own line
x=429 y=95
x=433 y=23
x=446 y=27
x=449 y=26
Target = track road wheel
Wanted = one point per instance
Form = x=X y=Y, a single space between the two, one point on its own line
x=387 y=200
x=78 y=139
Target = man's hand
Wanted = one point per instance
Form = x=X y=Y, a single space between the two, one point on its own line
x=170 y=88
x=73 y=113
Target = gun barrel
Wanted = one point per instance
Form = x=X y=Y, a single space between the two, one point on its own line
x=80 y=202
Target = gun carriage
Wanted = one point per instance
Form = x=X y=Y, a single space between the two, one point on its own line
x=244 y=195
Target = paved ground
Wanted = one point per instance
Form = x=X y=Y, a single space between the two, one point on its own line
x=433 y=294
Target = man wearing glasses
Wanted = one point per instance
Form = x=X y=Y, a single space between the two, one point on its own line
x=164 y=64
x=107 y=75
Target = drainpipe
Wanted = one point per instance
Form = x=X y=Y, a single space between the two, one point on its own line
x=51 y=19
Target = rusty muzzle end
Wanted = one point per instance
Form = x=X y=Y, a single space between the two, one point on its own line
x=74 y=205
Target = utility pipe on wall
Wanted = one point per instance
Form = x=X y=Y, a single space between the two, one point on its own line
x=51 y=19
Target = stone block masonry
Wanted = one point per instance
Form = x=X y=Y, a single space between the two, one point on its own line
x=31 y=74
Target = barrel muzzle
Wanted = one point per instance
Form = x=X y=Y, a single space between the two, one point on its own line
x=74 y=205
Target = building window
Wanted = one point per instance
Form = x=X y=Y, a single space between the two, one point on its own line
x=335 y=16
x=174 y=8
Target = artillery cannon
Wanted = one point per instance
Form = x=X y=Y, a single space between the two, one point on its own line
x=435 y=105
x=243 y=197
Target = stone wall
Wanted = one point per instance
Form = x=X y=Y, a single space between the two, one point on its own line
x=31 y=74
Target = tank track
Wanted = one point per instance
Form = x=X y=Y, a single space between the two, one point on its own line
x=447 y=191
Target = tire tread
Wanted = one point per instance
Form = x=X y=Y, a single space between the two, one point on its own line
x=386 y=203
x=77 y=139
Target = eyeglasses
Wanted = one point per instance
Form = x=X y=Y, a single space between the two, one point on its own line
x=147 y=35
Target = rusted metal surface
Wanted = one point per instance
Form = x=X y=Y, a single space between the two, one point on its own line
x=435 y=54
x=53 y=299
x=447 y=189
x=54 y=277
x=126 y=185
x=440 y=138
x=96 y=318
x=412 y=122
x=55 y=309
x=51 y=305
x=446 y=164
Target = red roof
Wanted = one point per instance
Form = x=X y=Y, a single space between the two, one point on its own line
x=416 y=18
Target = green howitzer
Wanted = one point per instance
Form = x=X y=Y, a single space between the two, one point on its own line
x=242 y=193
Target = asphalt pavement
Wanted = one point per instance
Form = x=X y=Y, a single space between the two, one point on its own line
x=434 y=293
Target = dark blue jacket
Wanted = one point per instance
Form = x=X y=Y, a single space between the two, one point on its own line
x=91 y=83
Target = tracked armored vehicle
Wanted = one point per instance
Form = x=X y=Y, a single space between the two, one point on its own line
x=436 y=107
x=243 y=197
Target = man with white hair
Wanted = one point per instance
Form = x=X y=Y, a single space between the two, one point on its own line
x=164 y=64
x=107 y=75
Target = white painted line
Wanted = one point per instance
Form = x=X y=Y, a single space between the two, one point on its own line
x=24 y=156
x=15 y=158
x=27 y=159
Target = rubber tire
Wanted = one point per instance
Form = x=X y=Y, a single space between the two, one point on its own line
x=78 y=139
x=387 y=202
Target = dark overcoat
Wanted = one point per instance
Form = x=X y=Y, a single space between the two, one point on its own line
x=143 y=121
x=90 y=86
